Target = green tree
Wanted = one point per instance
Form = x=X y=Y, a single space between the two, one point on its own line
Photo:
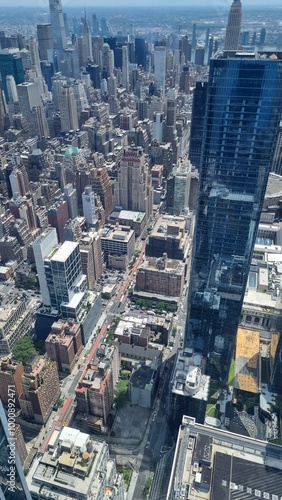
x=23 y=349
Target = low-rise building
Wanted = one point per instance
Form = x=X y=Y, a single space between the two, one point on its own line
x=133 y=331
x=75 y=467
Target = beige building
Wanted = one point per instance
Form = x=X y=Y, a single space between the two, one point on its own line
x=64 y=344
x=133 y=190
x=41 y=389
x=161 y=276
x=91 y=257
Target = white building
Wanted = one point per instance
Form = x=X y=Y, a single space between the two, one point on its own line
x=42 y=247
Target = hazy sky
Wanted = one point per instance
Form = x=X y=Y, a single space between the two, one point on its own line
x=217 y=4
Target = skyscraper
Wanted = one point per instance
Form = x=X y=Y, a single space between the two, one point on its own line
x=160 y=67
x=45 y=40
x=233 y=26
x=58 y=25
x=11 y=64
x=244 y=104
x=12 y=480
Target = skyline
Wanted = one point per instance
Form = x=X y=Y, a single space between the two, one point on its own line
x=215 y=4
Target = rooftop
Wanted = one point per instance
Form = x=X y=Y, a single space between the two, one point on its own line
x=247 y=360
x=64 y=251
x=213 y=464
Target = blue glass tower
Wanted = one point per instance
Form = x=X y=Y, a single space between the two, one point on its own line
x=243 y=109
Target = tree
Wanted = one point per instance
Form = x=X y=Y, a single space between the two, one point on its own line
x=23 y=349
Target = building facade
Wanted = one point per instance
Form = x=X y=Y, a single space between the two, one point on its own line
x=244 y=101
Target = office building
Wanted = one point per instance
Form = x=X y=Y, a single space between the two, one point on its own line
x=91 y=257
x=88 y=39
x=118 y=245
x=133 y=190
x=45 y=40
x=233 y=26
x=197 y=123
x=125 y=67
x=64 y=344
x=42 y=247
x=240 y=131
x=11 y=89
x=178 y=187
x=11 y=64
x=169 y=235
x=101 y=185
x=70 y=196
x=95 y=390
x=89 y=206
x=211 y=463
x=86 y=464
x=34 y=55
x=57 y=24
x=160 y=68
x=68 y=109
x=41 y=389
x=12 y=479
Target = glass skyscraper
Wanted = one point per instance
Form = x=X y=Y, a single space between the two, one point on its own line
x=12 y=480
x=244 y=105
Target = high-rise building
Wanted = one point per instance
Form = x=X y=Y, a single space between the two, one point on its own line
x=88 y=39
x=125 y=67
x=11 y=64
x=41 y=389
x=57 y=24
x=64 y=344
x=197 y=123
x=68 y=109
x=42 y=247
x=11 y=373
x=70 y=196
x=91 y=257
x=45 y=40
x=57 y=217
x=160 y=67
x=34 y=55
x=89 y=206
x=12 y=480
x=95 y=391
x=11 y=89
x=233 y=26
x=133 y=190
x=244 y=104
